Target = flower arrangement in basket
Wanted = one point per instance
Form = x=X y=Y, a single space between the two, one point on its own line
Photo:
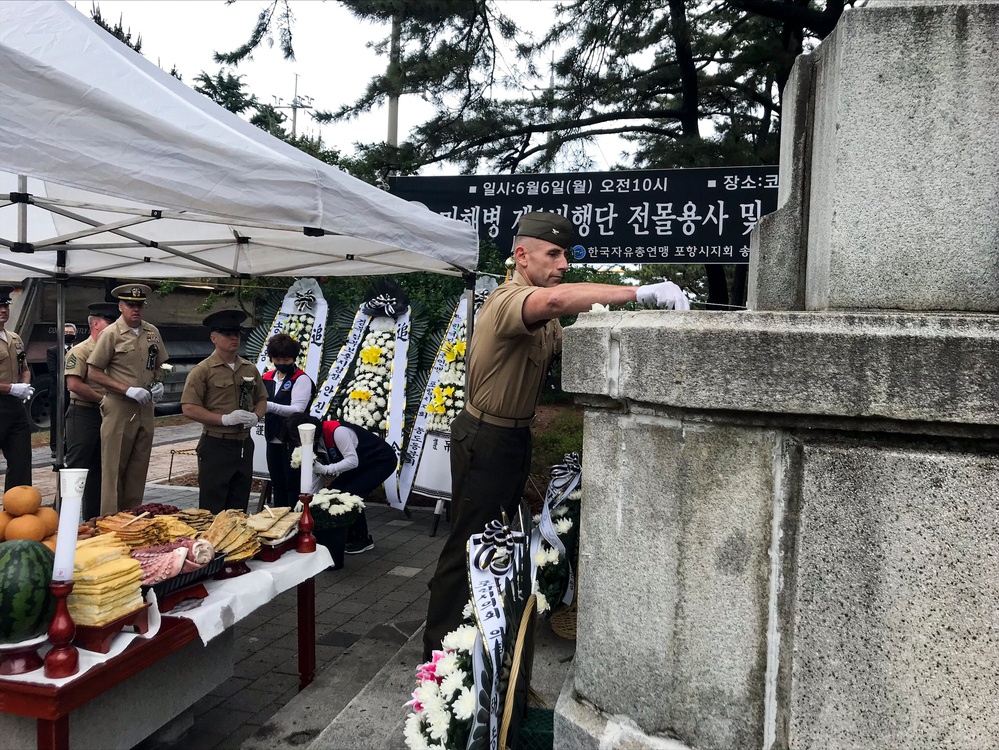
x=449 y=394
x=444 y=699
x=332 y=508
x=554 y=568
x=367 y=394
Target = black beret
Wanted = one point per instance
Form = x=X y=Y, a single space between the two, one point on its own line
x=225 y=321
x=547 y=226
x=106 y=310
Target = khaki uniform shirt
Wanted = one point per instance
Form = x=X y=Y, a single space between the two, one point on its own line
x=130 y=359
x=76 y=364
x=218 y=388
x=508 y=362
x=12 y=364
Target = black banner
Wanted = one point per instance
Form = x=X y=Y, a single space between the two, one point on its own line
x=647 y=216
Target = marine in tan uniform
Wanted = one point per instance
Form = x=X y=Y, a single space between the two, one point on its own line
x=516 y=337
x=225 y=394
x=83 y=418
x=126 y=362
x=15 y=391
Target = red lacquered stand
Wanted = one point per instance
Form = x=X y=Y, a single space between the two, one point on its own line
x=18 y=659
x=306 y=541
x=62 y=660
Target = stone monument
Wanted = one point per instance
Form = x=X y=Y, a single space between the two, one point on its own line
x=790 y=530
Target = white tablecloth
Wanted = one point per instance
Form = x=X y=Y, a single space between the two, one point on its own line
x=228 y=602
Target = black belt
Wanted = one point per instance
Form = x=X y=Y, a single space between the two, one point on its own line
x=84 y=404
x=227 y=435
x=498 y=421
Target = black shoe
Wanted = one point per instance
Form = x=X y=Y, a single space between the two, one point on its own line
x=356 y=548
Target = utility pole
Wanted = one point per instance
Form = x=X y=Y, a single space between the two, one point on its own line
x=395 y=52
x=297 y=103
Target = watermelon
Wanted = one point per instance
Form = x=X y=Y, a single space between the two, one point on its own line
x=26 y=604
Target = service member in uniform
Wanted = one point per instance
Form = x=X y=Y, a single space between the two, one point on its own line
x=52 y=363
x=516 y=337
x=15 y=391
x=83 y=419
x=126 y=363
x=289 y=392
x=226 y=395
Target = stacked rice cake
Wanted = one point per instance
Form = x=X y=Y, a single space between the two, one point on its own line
x=106 y=581
x=133 y=530
x=273 y=524
x=197 y=518
x=230 y=535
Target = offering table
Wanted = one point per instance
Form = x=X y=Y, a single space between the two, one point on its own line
x=127 y=696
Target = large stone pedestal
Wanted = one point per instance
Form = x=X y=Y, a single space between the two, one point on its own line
x=790 y=532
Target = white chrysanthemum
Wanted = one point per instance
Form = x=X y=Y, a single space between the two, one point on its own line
x=536 y=519
x=446 y=665
x=413 y=732
x=540 y=558
x=382 y=324
x=296 y=458
x=560 y=511
x=464 y=705
x=543 y=605
x=438 y=720
x=596 y=307
x=576 y=495
x=467 y=611
x=453 y=683
x=460 y=639
x=562 y=526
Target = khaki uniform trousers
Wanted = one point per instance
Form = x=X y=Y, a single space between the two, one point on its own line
x=126 y=442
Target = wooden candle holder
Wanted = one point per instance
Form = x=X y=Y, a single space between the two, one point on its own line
x=306 y=540
x=62 y=660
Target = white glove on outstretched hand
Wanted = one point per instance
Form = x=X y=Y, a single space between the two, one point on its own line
x=667 y=294
x=323 y=470
x=22 y=391
x=156 y=389
x=140 y=395
x=240 y=417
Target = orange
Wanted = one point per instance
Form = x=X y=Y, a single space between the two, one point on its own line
x=26 y=527
x=21 y=500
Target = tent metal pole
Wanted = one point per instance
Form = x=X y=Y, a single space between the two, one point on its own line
x=58 y=378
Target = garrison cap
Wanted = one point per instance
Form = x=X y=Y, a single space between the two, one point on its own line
x=106 y=310
x=131 y=293
x=5 y=294
x=547 y=226
x=225 y=321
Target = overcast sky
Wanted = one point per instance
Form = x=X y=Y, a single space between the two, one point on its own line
x=333 y=62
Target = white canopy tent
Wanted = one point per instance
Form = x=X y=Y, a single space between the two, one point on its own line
x=136 y=175
x=111 y=167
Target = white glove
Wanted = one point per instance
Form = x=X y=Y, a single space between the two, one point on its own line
x=240 y=417
x=667 y=294
x=157 y=392
x=22 y=391
x=272 y=408
x=139 y=394
x=323 y=470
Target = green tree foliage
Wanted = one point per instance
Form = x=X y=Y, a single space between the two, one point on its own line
x=226 y=90
x=118 y=30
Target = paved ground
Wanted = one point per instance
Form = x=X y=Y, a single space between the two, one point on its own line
x=375 y=604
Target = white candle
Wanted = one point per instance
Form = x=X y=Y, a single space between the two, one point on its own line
x=71 y=484
x=307 y=434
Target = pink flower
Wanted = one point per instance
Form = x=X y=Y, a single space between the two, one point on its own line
x=428 y=671
x=417 y=706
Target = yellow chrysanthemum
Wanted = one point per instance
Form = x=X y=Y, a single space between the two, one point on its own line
x=371 y=355
x=453 y=351
x=449 y=391
x=359 y=395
